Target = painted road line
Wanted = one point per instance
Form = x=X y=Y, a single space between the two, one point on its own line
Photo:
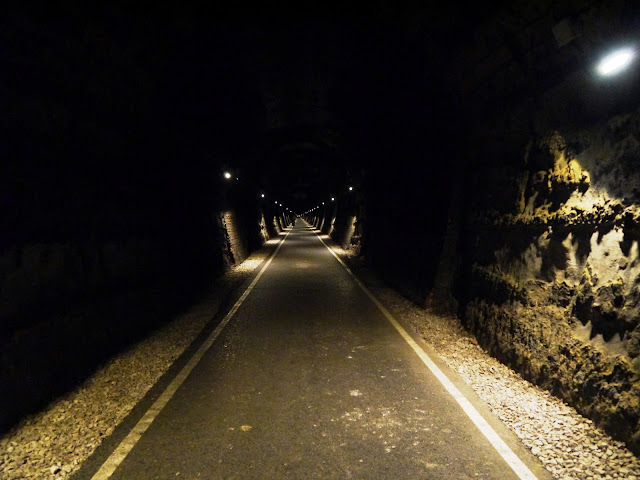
x=122 y=450
x=516 y=464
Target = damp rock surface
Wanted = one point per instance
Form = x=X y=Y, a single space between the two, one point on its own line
x=554 y=269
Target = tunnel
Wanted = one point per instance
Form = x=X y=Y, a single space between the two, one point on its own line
x=471 y=165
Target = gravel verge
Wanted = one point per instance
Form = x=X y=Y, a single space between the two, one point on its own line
x=569 y=445
x=53 y=443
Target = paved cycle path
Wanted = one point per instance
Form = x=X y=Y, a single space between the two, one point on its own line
x=309 y=380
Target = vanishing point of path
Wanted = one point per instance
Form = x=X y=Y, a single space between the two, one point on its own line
x=309 y=379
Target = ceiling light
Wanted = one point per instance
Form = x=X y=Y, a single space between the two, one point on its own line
x=615 y=62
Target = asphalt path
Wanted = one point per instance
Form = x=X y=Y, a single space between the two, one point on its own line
x=308 y=379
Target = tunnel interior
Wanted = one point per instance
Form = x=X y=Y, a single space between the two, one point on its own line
x=470 y=154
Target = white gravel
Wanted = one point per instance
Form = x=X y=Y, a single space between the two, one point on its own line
x=53 y=443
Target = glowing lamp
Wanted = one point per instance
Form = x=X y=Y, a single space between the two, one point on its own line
x=227 y=175
x=615 y=62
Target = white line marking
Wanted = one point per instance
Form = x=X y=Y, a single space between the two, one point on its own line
x=516 y=464
x=122 y=450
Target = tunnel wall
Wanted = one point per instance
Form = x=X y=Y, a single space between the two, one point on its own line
x=554 y=272
x=405 y=220
x=111 y=190
x=548 y=238
x=343 y=219
x=329 y=219
x=235 y=242
x=68 y=305
x=344 y=229
x=264 y=231
x=339 y=221
x=243 y=229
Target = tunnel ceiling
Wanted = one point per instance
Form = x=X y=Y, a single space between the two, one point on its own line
x=300 y=102
x=332 y=83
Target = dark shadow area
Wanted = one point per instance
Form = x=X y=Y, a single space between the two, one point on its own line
x=554 y=257
x=111 y=186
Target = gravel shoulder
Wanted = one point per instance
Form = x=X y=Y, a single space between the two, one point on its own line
x=53 y=443
x=569 y=445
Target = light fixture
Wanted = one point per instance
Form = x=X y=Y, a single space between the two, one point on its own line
x=333 y=199
x=615 y=62
x=262 y=195
x=227 y=175
x=351 y=189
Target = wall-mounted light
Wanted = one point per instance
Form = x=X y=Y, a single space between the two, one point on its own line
x=615 y=62
x=227 y=175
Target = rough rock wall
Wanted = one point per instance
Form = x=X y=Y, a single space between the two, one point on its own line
x=328 y=221
x=264 y=231
x=235 y=237
x=555 y=268
x=344 y=229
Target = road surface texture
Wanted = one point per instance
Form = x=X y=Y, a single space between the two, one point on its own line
x=310 y=380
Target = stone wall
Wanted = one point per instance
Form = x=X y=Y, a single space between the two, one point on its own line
x=344 y=229
x=235 y=238
x=554 y=272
